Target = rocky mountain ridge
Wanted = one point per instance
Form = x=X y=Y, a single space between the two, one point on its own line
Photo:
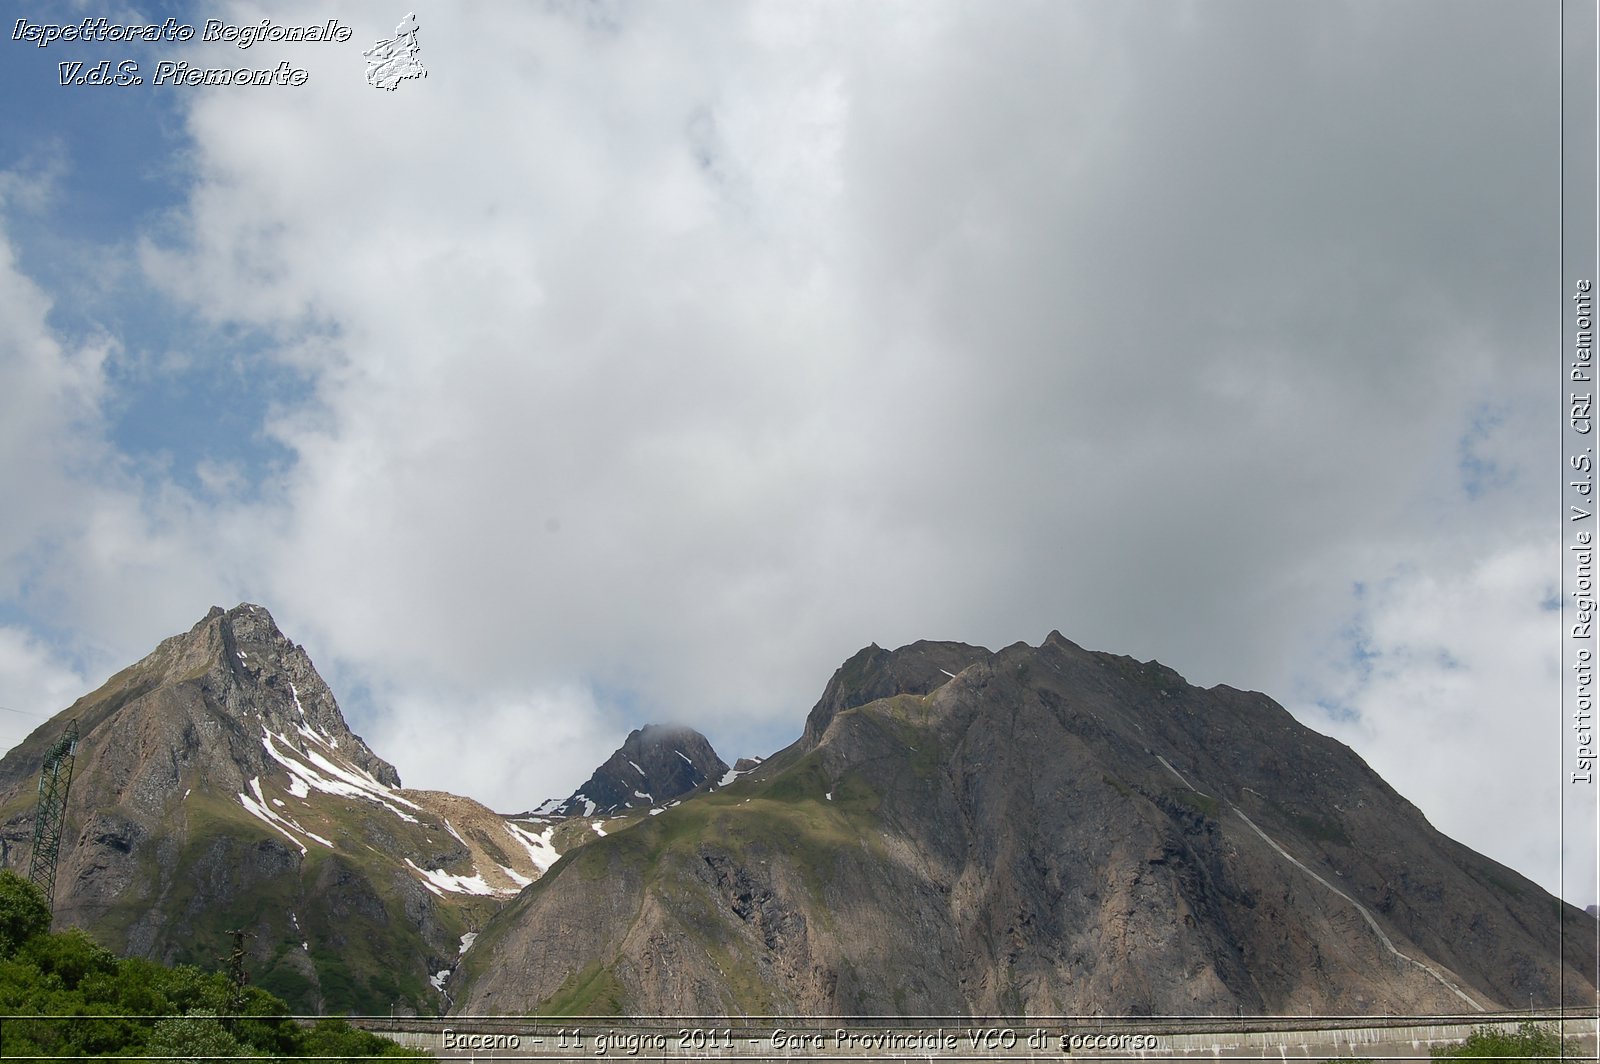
x=956 y=831
x=217 y=786
x=1033 y=831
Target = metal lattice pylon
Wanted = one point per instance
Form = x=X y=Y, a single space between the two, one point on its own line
x=55 y=778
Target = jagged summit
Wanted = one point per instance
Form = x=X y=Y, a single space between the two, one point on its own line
x=218 y=785
x=228 y=692
x=872 y=673
x=655 y=765
x=259 y=655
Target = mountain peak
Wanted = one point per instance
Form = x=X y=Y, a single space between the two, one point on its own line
x=654 y=765
x=251 y=672
x=232 y=695
x=217 y=785
x=873 y=673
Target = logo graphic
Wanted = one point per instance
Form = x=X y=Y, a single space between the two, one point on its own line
x=391 y=61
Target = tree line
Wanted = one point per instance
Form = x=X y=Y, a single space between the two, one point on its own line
x=64 y=995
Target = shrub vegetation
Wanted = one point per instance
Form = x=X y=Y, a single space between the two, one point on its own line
x=1529 y=1041
x=63 y=995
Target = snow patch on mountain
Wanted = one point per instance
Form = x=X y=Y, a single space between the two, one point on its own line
x=516 y=877
x=439 y=880
x=540 y=849
x=257 y=807
x=287 y=826
x=331 y=778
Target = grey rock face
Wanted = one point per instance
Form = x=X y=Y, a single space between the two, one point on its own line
x=201 y=701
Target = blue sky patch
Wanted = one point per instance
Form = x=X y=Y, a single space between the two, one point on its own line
x=1480 y=472
x=182 y=409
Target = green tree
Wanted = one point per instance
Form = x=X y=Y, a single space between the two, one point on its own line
x=65 y=996
x=199 y=1034
x=67 y=958
x=24 y=913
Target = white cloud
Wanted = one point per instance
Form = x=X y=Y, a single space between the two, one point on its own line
x=511 y=745
x=35 y=682
x=1451 y=662
x=52 y=393
x=88 y=545
x=661 y=356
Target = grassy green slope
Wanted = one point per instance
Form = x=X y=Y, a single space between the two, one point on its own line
x=330 y=931
x=795 y=817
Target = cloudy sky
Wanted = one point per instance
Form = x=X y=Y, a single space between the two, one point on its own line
x=646 y=360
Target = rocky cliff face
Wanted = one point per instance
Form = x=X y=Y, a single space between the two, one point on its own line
x=217 y=786
x=1039 y=830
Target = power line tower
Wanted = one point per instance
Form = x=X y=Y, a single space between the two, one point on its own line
x=54 y=780
x=238 y=978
